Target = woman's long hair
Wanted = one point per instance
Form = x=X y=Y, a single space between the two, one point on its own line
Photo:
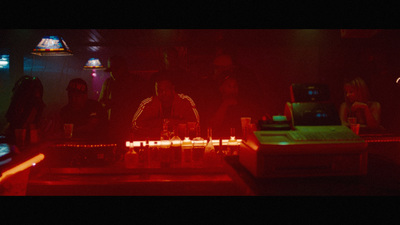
x=361 y=90
x=27 y=95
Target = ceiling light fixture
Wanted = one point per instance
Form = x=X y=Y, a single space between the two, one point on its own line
x=52 y=46
x=94 y=64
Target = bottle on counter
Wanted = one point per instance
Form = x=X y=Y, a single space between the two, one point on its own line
x=198 y=148
x=165 y=134
x=155 y=158
x=232 y=146
x=176 y=150
x=165 y=153
x=147 y=153
x=165 y=146
x=198 y=152
x=131 y=159
x=210 y=154
x=142 y=155
x=187 y=148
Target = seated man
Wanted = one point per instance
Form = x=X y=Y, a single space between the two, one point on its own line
x=87 y=115
x=165 y=105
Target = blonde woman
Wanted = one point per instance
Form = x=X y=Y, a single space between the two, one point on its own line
x=357 y=104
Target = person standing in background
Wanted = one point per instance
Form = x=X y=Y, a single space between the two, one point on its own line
x=120 y=95
x=227 y=88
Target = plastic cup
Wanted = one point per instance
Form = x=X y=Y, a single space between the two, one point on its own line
x=191 y=126
x=355 y=128
x=68 y=130
x=181 y=130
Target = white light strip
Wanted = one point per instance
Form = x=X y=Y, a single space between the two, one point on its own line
x=216 y=142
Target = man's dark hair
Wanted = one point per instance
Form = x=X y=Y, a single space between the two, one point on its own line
x=77 y=85
x=163 y=76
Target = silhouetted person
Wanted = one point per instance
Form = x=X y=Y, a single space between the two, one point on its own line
x=87 y=115
x=165 y=104
x=120 y=96
x=357 y=104
x=210 y=93
x=26 y=106
x=227 y=109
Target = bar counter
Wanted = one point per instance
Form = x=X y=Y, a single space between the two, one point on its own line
x=132 y=182
x=382 y=178
x=97 y=169
x=100 y=173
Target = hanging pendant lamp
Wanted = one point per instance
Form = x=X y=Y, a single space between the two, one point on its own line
x=52 y=46
x=94 y=64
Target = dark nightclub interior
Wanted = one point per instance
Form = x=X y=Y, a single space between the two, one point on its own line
x=267 y=158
